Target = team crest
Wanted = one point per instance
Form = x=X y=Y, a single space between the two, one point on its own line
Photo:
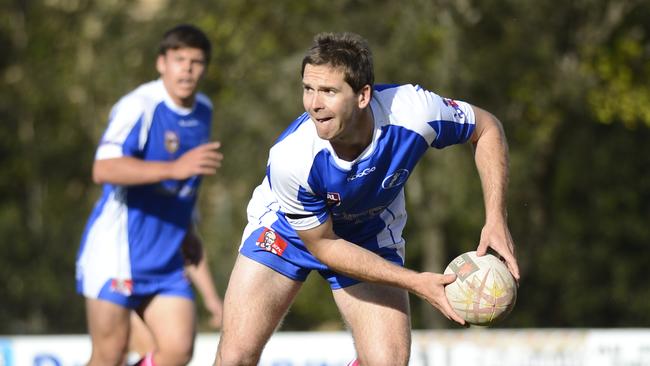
x=171 y=142
x=270 y=241
x=124 y=287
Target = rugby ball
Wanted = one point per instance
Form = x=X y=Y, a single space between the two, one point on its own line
x=484 y=291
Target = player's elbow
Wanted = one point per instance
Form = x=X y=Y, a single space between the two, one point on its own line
x=99 y=172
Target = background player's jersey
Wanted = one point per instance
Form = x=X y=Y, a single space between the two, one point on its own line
x=135 y=232
x=306 y=182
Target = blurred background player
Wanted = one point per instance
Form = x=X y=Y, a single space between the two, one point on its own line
x=333 y=201
x=150 y=161
x=141 y=341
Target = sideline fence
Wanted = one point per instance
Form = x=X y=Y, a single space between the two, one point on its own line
x=475 y=346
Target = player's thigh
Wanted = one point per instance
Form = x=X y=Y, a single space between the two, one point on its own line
x=108 y=325
x=379 y=319
x=255 y=302
x=172 y=322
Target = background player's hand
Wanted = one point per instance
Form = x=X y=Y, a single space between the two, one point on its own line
x=497 y=236
x=215 y=308
x=433 y=290
x=201 y=160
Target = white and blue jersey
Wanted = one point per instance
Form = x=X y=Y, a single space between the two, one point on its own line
x=131 y=244
x=307 y=183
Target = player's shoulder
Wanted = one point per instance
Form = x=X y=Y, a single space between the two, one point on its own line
x=299 y=139
x=297 y=145
x=399 y=94
x=407 y=101
x=145 y=96
x=204 y=100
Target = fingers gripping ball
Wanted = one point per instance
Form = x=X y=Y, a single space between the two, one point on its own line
x=484 y=291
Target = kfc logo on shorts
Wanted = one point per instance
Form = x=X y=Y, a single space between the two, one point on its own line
x=171 y=141
x=270 y=241
x=124 y=287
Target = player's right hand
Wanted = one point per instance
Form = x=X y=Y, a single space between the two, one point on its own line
x=201 y=160
x=435 y=294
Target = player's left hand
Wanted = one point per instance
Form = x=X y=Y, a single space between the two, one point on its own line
x=497 y=236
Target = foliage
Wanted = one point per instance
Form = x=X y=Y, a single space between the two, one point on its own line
x=567 y=79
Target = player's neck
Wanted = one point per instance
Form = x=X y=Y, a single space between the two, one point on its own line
x=354 y=145
x=185 y=102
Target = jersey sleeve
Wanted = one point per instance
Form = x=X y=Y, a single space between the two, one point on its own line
x=455 y=123
x=288 y=175
x=123 y=134
x=440 y=121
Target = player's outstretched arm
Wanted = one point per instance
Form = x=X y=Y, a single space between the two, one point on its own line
x=491 y=157
x=357 y=262
x=202 y=160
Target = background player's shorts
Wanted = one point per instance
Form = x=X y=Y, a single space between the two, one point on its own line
x=267 y=247
x=132 y=294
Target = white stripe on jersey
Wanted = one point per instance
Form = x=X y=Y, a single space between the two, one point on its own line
x=106 y=254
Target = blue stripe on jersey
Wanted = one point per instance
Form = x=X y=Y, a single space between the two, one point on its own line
x=131 y=146
x=450 y=132
x=313 y=203
x=381 y=87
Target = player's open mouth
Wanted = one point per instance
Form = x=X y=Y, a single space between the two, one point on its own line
x=186 y=82
x=323 y=120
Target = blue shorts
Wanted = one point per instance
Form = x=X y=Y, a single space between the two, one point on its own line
x=293 y=260
x=132 y=294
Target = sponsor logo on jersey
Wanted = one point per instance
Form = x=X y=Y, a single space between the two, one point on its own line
x=333 y=199
x=362 y=173
x=188 y=123
x=396 y=179
x=124 y=287
x=270 y=241
x=452 y=103
x=171 y=142
x=358 y=217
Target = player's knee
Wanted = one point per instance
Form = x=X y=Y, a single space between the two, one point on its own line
x=177 y=354
x=397 y=356
x=107 y=356
x=236 y=356
x=108 y=351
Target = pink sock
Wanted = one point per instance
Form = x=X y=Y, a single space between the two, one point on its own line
x=147 y=360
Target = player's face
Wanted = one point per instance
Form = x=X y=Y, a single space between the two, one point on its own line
x=181 y=70
x=331 y=103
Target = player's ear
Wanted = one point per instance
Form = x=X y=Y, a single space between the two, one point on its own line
x=160 y=64
x=364 y=96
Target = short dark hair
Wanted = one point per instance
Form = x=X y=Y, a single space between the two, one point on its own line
x=185 y=35
x=346 y=50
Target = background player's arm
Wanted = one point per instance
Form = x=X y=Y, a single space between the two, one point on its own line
x=354 y=261
x=198 y=271
x=491 y=157
x=201 y=160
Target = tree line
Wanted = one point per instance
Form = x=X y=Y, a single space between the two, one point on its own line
x=567 y=79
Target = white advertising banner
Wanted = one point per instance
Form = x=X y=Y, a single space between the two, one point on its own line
x=476 y=347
